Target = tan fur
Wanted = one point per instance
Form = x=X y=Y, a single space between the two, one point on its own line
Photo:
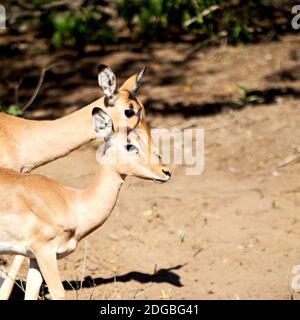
x=27 y=144
x=50 y=219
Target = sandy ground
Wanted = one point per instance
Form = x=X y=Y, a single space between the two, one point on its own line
x=231 y=232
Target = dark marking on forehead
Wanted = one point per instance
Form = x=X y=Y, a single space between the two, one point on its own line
x=131 y=96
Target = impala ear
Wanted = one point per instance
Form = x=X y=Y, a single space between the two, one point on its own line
x=107 y=81
x=133 y=83
x=102 y=124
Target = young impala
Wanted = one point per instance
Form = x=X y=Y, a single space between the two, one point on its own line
x=27 y=144
x=49 y=219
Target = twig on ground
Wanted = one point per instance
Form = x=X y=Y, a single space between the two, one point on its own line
x=295 y=295
x=204 y=43
x=289 y=160
x=70 y=284
x=197 y=252
x=85 y=250
x=201 y=14
x=229 y=123
x=139 y=292
x=91 y=296
x=22 y=281
x=194 y=122
x=187 y=124
x=20 y=286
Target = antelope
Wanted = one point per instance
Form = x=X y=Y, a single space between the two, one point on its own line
x=27 y=144
x=50 y=218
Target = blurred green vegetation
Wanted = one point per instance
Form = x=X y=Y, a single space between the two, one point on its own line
x=42 y=26
x=13 y=110
x=78 y=23
x=77 y=29
x=204 y=18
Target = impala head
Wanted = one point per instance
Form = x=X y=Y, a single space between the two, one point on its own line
x=121 y=104
x=128 y=150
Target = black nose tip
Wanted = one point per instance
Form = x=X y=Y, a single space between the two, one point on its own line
x=167 y=173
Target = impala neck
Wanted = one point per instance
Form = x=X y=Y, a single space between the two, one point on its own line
x=56 y=138
x=95 y=203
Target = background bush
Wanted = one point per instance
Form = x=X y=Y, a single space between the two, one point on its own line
x=75 y=24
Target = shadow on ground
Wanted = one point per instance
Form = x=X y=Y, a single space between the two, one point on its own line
x=160 y=276
x=267 y=96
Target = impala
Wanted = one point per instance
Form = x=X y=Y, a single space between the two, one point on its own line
x=28 y=144
x=49 y=219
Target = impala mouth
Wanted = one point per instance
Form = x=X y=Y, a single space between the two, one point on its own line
x=160 y=181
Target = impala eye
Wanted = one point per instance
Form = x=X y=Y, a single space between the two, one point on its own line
x=129 y=113
x=131 y=148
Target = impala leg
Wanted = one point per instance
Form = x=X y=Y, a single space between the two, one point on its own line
x=34 y=281
x=47 y=262
x=10 y=278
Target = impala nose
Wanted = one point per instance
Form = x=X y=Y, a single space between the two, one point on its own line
x=167 y=173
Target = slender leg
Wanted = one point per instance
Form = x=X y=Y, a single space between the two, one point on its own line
x=2 y=271
x=34 y=281
x=47 y=261
x=10 y=278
